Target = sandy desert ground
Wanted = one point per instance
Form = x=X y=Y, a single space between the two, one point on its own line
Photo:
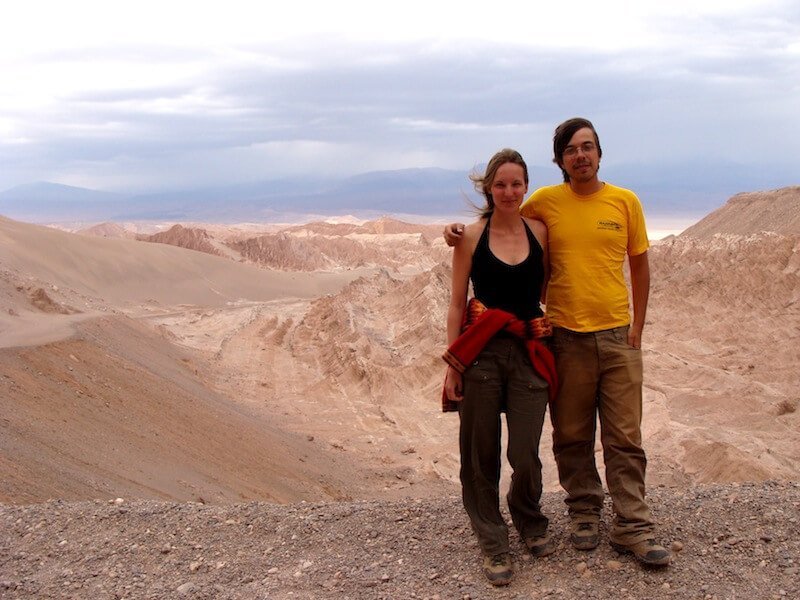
x=226 y=365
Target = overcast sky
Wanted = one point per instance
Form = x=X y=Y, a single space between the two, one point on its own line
x=144 y=96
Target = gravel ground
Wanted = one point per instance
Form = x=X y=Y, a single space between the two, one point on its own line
x=730 y=541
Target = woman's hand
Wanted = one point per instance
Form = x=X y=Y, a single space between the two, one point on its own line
x=453 y=385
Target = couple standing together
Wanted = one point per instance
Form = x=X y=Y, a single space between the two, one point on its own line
x=564 y=247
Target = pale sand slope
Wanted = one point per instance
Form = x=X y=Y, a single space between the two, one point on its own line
x=118 y=410
x=115 y=407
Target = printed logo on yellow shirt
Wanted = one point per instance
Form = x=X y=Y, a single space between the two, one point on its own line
x=610 y=225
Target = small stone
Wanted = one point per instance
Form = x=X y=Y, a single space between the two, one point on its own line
x=119 y=501
x=194 y=565
x=665 y=585
x=581 y=567
x=677 y=546
x=614 y=565
x=185 y=588
x=307 y=564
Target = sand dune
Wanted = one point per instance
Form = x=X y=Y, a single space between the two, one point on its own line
x=91 y=274
x=118 y=410
x=125 y=272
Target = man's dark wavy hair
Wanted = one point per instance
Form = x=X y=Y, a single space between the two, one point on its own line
x=563 y=135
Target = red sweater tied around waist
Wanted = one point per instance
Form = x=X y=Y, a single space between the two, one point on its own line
x=480 y=324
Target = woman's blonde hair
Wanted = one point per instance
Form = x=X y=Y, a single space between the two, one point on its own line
x=483 y=181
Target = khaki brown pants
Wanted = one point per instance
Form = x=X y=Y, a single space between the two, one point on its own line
x=502 y=379
x=601 y=375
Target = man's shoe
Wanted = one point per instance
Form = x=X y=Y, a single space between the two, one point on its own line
x=540 y=545
x=647 y=552
x=498 y=569
x=585 y=535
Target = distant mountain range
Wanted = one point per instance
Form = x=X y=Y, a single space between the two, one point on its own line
x=410 y=191
x=692 y=190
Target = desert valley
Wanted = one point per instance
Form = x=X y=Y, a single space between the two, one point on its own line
x=167 y=394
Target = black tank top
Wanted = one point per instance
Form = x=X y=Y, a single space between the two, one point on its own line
x=513 y=288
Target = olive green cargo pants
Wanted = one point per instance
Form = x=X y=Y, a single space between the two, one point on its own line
x=502 y=379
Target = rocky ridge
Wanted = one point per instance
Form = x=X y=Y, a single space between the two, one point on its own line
x=777 y=211
x=387 y=243
x=192 y=238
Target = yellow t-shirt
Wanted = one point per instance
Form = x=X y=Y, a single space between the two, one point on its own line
x=588 y=238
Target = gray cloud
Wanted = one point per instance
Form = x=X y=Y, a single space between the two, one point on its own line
x=728 y=94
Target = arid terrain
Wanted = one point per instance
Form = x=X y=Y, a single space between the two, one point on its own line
x=253 y=412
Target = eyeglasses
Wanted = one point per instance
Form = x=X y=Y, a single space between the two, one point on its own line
x=585 y=147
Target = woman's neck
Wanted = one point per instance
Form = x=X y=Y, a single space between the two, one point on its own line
x=506 y=221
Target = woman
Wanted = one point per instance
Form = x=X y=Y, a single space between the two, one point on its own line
x=497 y=363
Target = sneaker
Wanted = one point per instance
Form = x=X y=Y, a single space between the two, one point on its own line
x=540 y=545
x=585 y=535
x=498 y=569
x=647 y=552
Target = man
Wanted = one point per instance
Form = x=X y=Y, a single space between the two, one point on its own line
x=592 y=226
